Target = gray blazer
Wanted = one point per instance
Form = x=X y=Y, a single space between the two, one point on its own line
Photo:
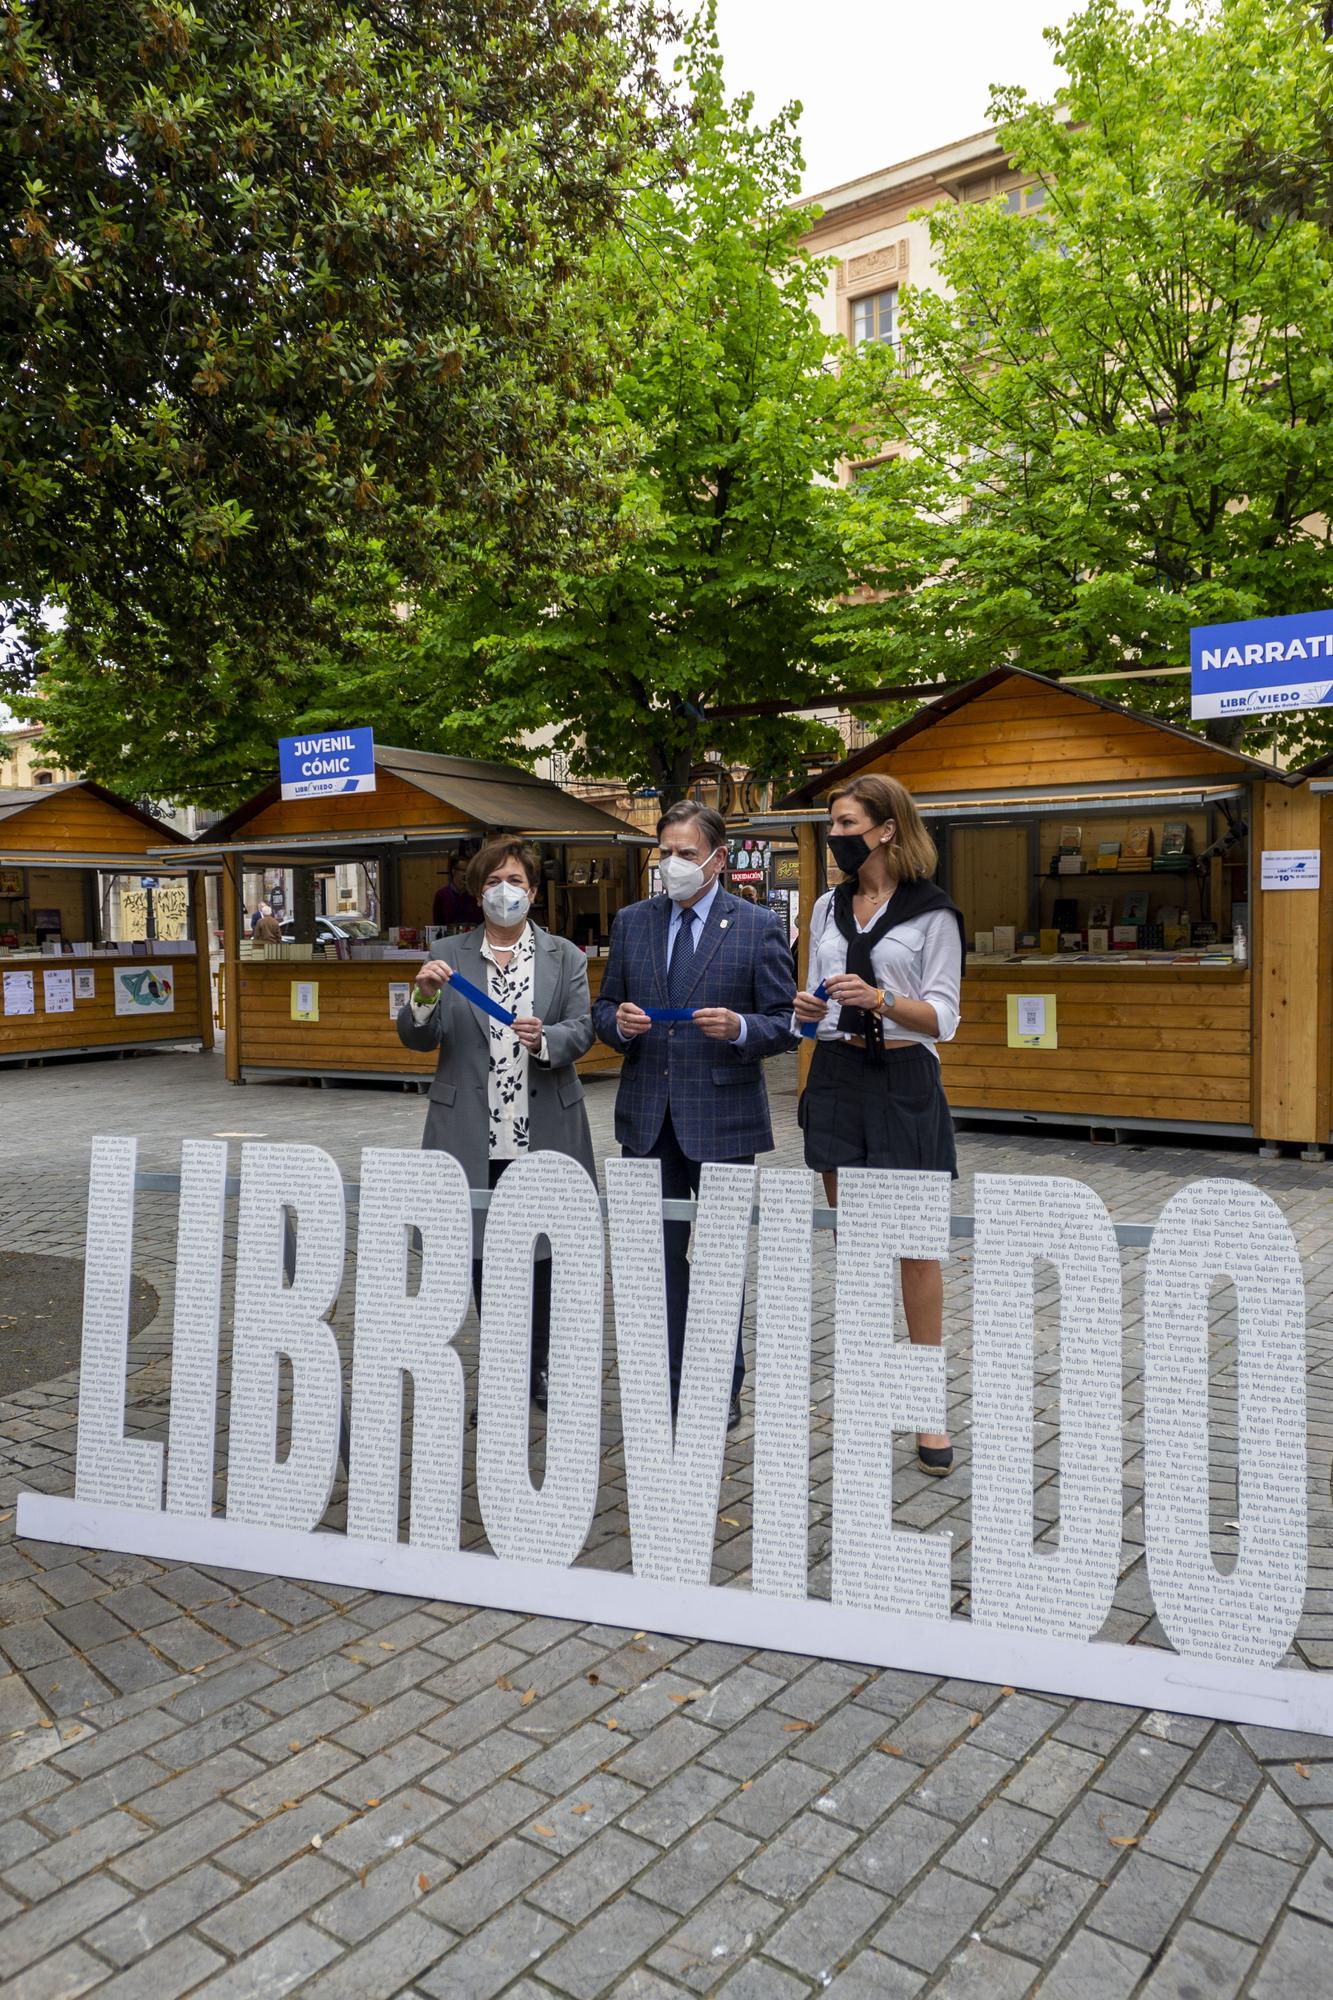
x=458 y=1120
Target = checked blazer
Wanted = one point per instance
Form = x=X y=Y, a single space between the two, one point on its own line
x=715 y=1090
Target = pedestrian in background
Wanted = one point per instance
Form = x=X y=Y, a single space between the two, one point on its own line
x=887 y=946
x=693 y=1090
x=501 y=1091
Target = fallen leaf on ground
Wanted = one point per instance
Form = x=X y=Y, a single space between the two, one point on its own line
x=641 y=1635
x=503 y=1681
x=889 y=1749
x=293 y=1745
x=546 y=1832
x=790 y=1727
x=974 y=1718
x=611 y=1722
x=1301 y=1770
x=1123 y=1839
x=594 y=1678
x=46 y=1722
x=746 y=1786
x=423 y=1883
x=1006 y=1690
x=578 y=1811
x=386 y=1646
x=727 y=1521
x=289 y=1805
x=528 y=1699
x=695 y=1694
x=369 y=1803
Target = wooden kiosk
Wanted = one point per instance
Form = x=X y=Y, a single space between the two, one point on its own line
x=1123 y=854
x=1310 y=826
x=426 y=808
x=57 y=843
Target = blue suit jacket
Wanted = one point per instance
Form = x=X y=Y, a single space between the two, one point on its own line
x=715 y=1090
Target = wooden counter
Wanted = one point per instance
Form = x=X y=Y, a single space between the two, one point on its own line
x=95 y=1025
x=355 y=1034
x=1154 y=1044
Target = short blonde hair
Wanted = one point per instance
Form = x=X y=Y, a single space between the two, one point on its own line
x=913 y=855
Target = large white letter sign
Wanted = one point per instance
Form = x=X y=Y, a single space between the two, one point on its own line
x=1034 y=1604
x=881 y=1385
x=780 y=1533
x=541 y=1194
x=398 y=1334
x=110 y=1468
x=1211 y=1229
x=273 y=1319
x=195 y=1327
x=1064 y=1592
x=672 y=1483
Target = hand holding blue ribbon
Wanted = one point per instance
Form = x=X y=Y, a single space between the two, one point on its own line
x=811 y=1028
x=482 y=1001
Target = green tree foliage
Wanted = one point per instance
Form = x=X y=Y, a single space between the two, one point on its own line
x=280 y=279
x=729 y=555
x=1119 y=416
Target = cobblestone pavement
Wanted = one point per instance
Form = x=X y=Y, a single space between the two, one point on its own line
x=226 y=1784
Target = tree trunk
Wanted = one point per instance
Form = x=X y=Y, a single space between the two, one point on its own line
x=1226 y=730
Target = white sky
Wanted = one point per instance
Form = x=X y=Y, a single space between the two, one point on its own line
x=883 y=80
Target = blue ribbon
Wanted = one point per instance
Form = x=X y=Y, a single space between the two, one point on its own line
x=669 y=1013
x=481 y=1001
x=811 y=1028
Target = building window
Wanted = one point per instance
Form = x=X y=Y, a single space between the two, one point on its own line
x=875 y=317
x=43 y=777
x=1024 y=200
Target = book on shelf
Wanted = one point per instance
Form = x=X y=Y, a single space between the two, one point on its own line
x=1099 y=938
x=1006 y=937
x=1204 y=934
x=1175 y=839
x=1048 y=940
x=1175 y=935
x=1069 y=864
x=983 y=944
x=1135 y=910
x=1099 y=913
x=1124 y=937
x=1151 y=937
x=1071 y=940
x=1108 y=855
x=1136 y=847
x=1064 y=913
x=1071 y=839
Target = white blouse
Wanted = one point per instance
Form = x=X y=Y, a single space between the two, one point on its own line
x=921 y=960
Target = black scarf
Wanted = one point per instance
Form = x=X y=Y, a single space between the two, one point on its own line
x=908 y=901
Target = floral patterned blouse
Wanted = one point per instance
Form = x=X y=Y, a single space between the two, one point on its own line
x=507 y=1083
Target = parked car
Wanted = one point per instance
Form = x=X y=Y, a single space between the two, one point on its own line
x=345 y=926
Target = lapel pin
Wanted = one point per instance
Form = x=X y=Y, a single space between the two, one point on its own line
x=723 y=925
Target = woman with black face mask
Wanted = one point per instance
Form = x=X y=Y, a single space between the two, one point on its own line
x=886 y=947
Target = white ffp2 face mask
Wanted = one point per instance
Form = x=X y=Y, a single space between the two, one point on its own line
x=505 y=902
x=682 y=879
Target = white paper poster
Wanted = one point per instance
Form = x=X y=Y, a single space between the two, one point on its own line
x=145 y=989
x=1032 y=1013
x=399 y=993
x=85 y=984
x=58 y=992
x=1289 y=868
x=19 y=993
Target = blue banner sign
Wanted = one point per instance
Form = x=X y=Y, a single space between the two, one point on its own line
x=1262 y=665
x=315 y=767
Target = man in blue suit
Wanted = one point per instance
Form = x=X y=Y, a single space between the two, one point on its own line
x=693 y=1090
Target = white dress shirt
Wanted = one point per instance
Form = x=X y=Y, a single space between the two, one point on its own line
x=920 y=960
x=699 y=911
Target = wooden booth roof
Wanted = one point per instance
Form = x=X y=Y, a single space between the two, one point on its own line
x=80 y=825
x=1012 y=732
x=418 y=792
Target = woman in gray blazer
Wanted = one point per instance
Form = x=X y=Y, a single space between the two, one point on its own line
x=502 y=1091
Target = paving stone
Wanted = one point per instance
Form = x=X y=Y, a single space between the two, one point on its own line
x=1095 y=1968
x=981 y=1973
x=997 y=1843
x=696 y=1865
x=238 y=1926
x=871 y=1976
x=670 y=1811
x=286 y=1964
x=1052 y=1777
x=66 y=1860
x=827 y=1928
x=1143 y=1770
x=409 y=1947
x=1225 y=1766
x=662 y=1752
x=1190 y=1828
x=68 y=1973
x=1271 y=1826
x=65 y=1915
x=467 y=1832
x=369 y=1837
x=594 y=1874
x=485 y=1963
x=567 y=1823
x=1086 y=1839
x=775 y=1797
x=930 y=1922
x=486 y=1885
x=174 y=1968
x=1143 y=1902
x=760 y=1979
x=146 y=1921
x=896 y=1852
x=1039 y=1910
x=730 y=1926
x=1296 y=1961
x=1016 y=1725
x=602 y=1950
x=1200 y=1961
x=957 y=1786
x=1246 y=1893
x=807 y=1848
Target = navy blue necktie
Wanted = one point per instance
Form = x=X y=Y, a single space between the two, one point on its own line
x=680 y=973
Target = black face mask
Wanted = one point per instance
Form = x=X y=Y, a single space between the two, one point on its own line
x=849 y=850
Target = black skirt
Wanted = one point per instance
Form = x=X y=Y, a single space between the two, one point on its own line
x=855 y=1113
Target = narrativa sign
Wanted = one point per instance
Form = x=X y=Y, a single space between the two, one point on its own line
x=1035 y=1608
